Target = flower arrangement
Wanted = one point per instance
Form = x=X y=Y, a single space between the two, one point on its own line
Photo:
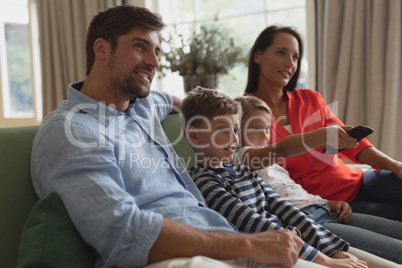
x=211 y=51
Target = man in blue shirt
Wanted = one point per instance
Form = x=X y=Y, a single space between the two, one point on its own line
x=103 y=151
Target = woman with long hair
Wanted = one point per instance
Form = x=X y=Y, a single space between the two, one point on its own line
x=274 y=70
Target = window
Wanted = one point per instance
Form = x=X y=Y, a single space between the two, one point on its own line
x=246 y=19
x=19 y=100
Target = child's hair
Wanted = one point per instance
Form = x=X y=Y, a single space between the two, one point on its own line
x=249 y=105
x=207 y=103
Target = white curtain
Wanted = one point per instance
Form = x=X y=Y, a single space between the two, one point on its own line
x=62 y=33
x=359 y=63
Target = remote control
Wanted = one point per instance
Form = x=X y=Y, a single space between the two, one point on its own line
x=357 y=132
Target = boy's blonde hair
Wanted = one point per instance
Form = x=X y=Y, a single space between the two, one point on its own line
x=206 y=103
x=249 y=105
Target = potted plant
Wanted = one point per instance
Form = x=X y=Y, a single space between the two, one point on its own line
x=202 y=56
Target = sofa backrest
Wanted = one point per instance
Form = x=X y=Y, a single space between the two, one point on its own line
x=172 y=127
x=17 y=196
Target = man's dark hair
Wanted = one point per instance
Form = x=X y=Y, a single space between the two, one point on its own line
x=117 y=21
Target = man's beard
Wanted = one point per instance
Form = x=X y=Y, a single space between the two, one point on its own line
x=128 y=87
x=126 y=84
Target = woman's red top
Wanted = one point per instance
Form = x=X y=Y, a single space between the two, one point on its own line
x=319 y=173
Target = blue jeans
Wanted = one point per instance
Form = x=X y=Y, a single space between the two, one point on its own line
x=379 y=236
x=380 y=194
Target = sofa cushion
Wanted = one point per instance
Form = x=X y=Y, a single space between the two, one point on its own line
x=49 y=238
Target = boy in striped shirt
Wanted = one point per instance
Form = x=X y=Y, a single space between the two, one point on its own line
x=212 y=122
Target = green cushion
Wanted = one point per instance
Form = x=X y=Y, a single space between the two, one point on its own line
x=50 y=239
x=172 y=127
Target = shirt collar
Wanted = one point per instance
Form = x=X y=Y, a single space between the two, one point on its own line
x=104 y=114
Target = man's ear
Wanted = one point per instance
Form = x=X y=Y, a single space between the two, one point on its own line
x=100 y=48
x=191 y=133
x=257 y=56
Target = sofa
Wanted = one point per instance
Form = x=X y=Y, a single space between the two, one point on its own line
x=19 y=205
x=38 y=233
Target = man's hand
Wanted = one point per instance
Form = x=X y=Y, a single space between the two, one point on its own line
x=280 y=247
x=343 y=209
x=176 y=239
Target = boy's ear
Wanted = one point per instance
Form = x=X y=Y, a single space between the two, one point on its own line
x=191 y=133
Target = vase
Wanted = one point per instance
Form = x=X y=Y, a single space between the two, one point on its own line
x=205 y=80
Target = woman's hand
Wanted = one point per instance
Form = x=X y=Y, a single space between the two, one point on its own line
x=339 y=139
x=343 y=209
x=397 y=169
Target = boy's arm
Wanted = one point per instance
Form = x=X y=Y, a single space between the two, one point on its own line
x=298 y=144
x=230 y=205
x=317 y=236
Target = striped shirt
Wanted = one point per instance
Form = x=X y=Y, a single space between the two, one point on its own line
x=242 y=197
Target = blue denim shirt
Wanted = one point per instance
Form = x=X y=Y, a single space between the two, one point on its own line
x=117 y=175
